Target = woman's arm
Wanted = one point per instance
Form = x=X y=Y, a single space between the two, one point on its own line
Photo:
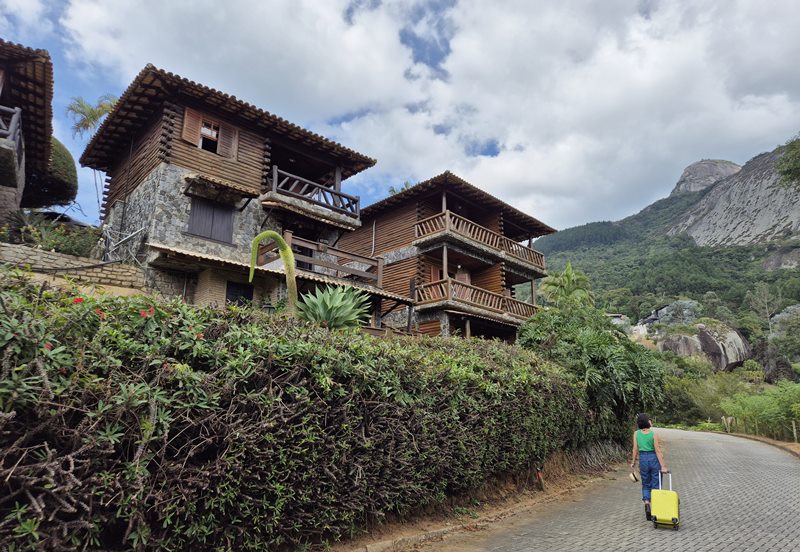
x=635 y=451
x=659 y=452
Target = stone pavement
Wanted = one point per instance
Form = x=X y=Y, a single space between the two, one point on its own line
x=736 y=495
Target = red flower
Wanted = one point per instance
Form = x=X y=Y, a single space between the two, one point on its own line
x=99 y=312
x=200 y=336
x=48 y=346
x=143 y=313
x=151 y=311
x=62 y=371
x=78 y=300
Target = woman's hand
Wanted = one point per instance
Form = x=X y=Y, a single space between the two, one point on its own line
x=664 y=469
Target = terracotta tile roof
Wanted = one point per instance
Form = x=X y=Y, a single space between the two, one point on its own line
x=29 y=86
x=528 y=224
x=246 y=191
x=301 y=274
x=152 y=86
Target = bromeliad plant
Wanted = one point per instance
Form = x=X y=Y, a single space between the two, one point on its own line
x=287 y=257
x=333 y=308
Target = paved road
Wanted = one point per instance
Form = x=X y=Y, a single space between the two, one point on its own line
x=736 y=495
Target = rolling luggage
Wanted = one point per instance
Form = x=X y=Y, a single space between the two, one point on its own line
x=664 y=506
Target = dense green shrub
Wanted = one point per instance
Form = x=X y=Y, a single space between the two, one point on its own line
x=58 y=186
x=126 y=423
x=621 y=377
x=769 y=413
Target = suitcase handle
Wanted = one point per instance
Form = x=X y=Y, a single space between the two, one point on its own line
x=670 y=480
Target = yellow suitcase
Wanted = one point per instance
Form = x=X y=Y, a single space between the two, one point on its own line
x=665 y=506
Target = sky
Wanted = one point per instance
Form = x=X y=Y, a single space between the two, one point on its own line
x=573 y=111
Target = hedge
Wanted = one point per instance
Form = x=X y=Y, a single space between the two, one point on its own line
x=127 y=423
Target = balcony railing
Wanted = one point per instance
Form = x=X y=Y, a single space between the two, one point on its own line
x=11 y=128
x=453 y=290
x=296 y=186
x=448 y=221
x=340 y=263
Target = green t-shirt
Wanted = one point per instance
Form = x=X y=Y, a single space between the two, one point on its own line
x=646 y=441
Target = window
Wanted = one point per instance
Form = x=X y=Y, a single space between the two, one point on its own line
x=209 y=219
x=238 y=294
x=210 y=134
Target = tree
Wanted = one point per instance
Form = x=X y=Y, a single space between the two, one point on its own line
x=87 y=117
x=568 y=285
x=764 y=303
x=789 y=164
x=287 y=257
x=406 y=185
x=58 y=186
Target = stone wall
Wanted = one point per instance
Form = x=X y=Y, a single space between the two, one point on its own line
x=37 y=260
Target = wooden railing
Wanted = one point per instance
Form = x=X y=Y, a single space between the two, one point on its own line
x=301 y=188
x=449 y=289
x=344 y=263
x=11 y=127
x=448 y=221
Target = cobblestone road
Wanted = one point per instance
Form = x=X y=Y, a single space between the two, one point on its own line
x=736 y=495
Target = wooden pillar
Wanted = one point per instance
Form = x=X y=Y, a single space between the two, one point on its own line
x=530 y=242
x=467 y=328
x=274 y=177
x=412 y=293
x=379 y=271
x=444 y=262
x=338 y=179
x=444 y=201
x=533 y=292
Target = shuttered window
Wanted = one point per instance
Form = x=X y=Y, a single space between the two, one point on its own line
x=238 y=294
x=210 y=219
x=210 y=134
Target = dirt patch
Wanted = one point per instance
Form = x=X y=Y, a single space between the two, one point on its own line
x=563 y=475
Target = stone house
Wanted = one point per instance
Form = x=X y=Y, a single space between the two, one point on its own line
x=194 y=174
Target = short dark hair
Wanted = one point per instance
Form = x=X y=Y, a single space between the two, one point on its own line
x=643 y=421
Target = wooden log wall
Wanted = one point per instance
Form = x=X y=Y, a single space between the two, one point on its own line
x=247 y=169
x=429 y=206
x=489 y=219
x=147 y=151
x=431 y=327
x=491 y=278
x=394 y=229
x=397 y=276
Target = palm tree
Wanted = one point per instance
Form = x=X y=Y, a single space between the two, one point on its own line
x=567 y=286
x=87 y=118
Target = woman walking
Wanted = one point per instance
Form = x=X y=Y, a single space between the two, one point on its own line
x=647 y=447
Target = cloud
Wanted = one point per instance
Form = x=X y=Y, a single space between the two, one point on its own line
x=574 y=112
x=24 y=19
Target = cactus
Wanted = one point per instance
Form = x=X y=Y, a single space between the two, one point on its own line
x=287 y=257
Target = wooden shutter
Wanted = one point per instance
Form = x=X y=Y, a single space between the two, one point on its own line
x=201 y=217
x=228 y=143
x=192 y=121
x=223 y=223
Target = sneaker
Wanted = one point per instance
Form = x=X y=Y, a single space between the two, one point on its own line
x=647 y=512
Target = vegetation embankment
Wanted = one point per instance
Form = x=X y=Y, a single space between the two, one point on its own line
x=131 y=424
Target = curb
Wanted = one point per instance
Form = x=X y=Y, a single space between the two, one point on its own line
x=770 y=442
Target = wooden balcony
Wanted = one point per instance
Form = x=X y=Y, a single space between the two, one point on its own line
x=449 y=289
x=11 y=145
x=288 y=184
x=319 y=257
x=449 y=222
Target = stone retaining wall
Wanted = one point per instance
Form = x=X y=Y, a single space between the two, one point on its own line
x=37 y=260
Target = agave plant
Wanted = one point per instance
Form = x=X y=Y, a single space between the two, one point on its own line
x=287 y=257
x=336 y=307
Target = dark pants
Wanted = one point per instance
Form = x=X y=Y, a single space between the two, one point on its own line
x=649 y=469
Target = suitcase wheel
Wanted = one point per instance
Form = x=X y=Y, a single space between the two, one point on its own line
x=674 y=521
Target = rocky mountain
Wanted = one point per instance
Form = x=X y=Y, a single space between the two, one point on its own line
x=699 y=176
x=748 y=206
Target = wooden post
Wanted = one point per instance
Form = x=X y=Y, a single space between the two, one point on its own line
x=287 y=237
x=445 y=272
x=338 y=179
x=533 y=292
x=379 y=271
x=412 y=293
x=274 y=178
x=467 y=328
x=794 y=430
x=530 y=242
x=444 y=200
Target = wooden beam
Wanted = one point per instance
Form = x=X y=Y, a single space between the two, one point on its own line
x=533 y=292
x=444 y=200
x=445 y=273
x=337 y=179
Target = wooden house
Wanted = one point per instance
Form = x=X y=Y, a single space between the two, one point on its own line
x=26 y=112
x=194 y=174
x=458 y=251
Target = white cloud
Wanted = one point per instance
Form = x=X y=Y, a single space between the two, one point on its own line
x=24 y=19
x=594 y=108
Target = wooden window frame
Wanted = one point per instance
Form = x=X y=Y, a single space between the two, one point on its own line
x=227 y=135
